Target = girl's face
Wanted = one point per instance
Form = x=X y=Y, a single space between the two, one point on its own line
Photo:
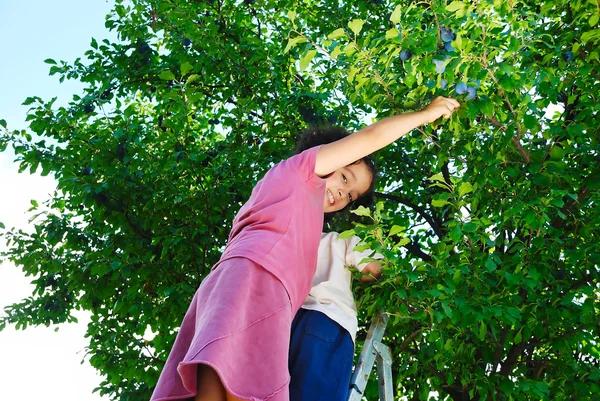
x=346 y=185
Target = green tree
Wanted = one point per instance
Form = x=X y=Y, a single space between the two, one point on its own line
x=490 y=221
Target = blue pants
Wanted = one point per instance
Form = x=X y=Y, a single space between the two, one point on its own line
x=321 y=356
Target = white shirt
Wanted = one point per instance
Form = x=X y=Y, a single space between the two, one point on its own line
x=331 y=291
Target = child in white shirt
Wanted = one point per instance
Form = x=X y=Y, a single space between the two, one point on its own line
x=324 y=329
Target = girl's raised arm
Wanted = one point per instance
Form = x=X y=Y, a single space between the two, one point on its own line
x=338 y=154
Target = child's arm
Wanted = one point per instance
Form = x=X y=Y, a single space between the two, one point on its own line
x=335 y=155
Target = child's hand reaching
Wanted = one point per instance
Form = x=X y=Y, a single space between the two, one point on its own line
x=440 y=106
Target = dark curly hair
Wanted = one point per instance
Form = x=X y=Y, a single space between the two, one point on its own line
x=315 y=136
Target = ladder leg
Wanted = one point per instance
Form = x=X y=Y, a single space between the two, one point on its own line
x=367 y=356
x=384 y=375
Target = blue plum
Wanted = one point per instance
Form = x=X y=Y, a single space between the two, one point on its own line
x=405 y=54
x=440 y=66
x=461 y=88
x=447 y=35
x=471 y=92
x=568 y=56
x=448 y=47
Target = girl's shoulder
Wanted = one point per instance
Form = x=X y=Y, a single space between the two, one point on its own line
x=301 y=165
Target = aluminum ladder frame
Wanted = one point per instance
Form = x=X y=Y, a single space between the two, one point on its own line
x=373 y=350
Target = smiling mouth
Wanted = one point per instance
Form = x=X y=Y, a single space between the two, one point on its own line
x=330 y=198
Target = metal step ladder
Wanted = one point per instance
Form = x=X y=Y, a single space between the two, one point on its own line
x=373 y=349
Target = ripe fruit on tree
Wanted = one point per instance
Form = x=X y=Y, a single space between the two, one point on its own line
x=405 y=54
x=461 y=88
x=568 y=56
x=471 y=92
x=447 y=35
x=88 y=108
x=440 y=66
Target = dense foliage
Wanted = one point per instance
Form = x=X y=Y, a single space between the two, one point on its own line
x=490 y=221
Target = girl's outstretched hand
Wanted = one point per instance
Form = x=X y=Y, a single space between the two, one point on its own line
x=440 y=106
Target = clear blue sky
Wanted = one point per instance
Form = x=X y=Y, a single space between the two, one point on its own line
x=39 y=363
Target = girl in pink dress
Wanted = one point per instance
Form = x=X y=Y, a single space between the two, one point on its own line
x=234 y=339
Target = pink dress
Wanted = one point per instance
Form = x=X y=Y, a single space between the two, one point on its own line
x=239 y=320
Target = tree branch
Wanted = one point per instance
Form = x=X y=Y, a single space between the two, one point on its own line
x=435 y=225
x=516 y=140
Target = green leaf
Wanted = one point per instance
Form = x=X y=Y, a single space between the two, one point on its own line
x=456 y=233
x=336 y=52
x=557 y=153
x=356 y=26
x=437 y=177
x=490 y=265
x=306 y=59
x=482 y=330
x=456 y=6
x=347 y=234
x=49 y=61
x=439 y=203
x=396 y=229
x=487 y=107
x=167 y=75
x=530 y=121
x=391 y=33
x=519 y=336
x=3 y=123
x=594 y=19
x=293 y=42
x=403 y=241
x=2 y=226
x=291 y=15
x=192 y=78
x=338 y=33
x=464 y=189
x=396 y=14
x=185 y=68
x=361 y=211
x=587 y=36
x=447 y=309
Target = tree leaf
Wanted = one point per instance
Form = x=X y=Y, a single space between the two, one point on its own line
x=338 y=33
x=396 y=229
x=439 y=203
x=306 y=59
x=167 y=75
x=482 y=330
x=293 y=42
x=456 y=6
x=361 y=211
x=464 y=189
x=185 y=68
x=356 y=25
x=396 y=14
x=391 y=33
x=347 y=234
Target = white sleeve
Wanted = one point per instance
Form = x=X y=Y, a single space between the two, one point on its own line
x=353 y=257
